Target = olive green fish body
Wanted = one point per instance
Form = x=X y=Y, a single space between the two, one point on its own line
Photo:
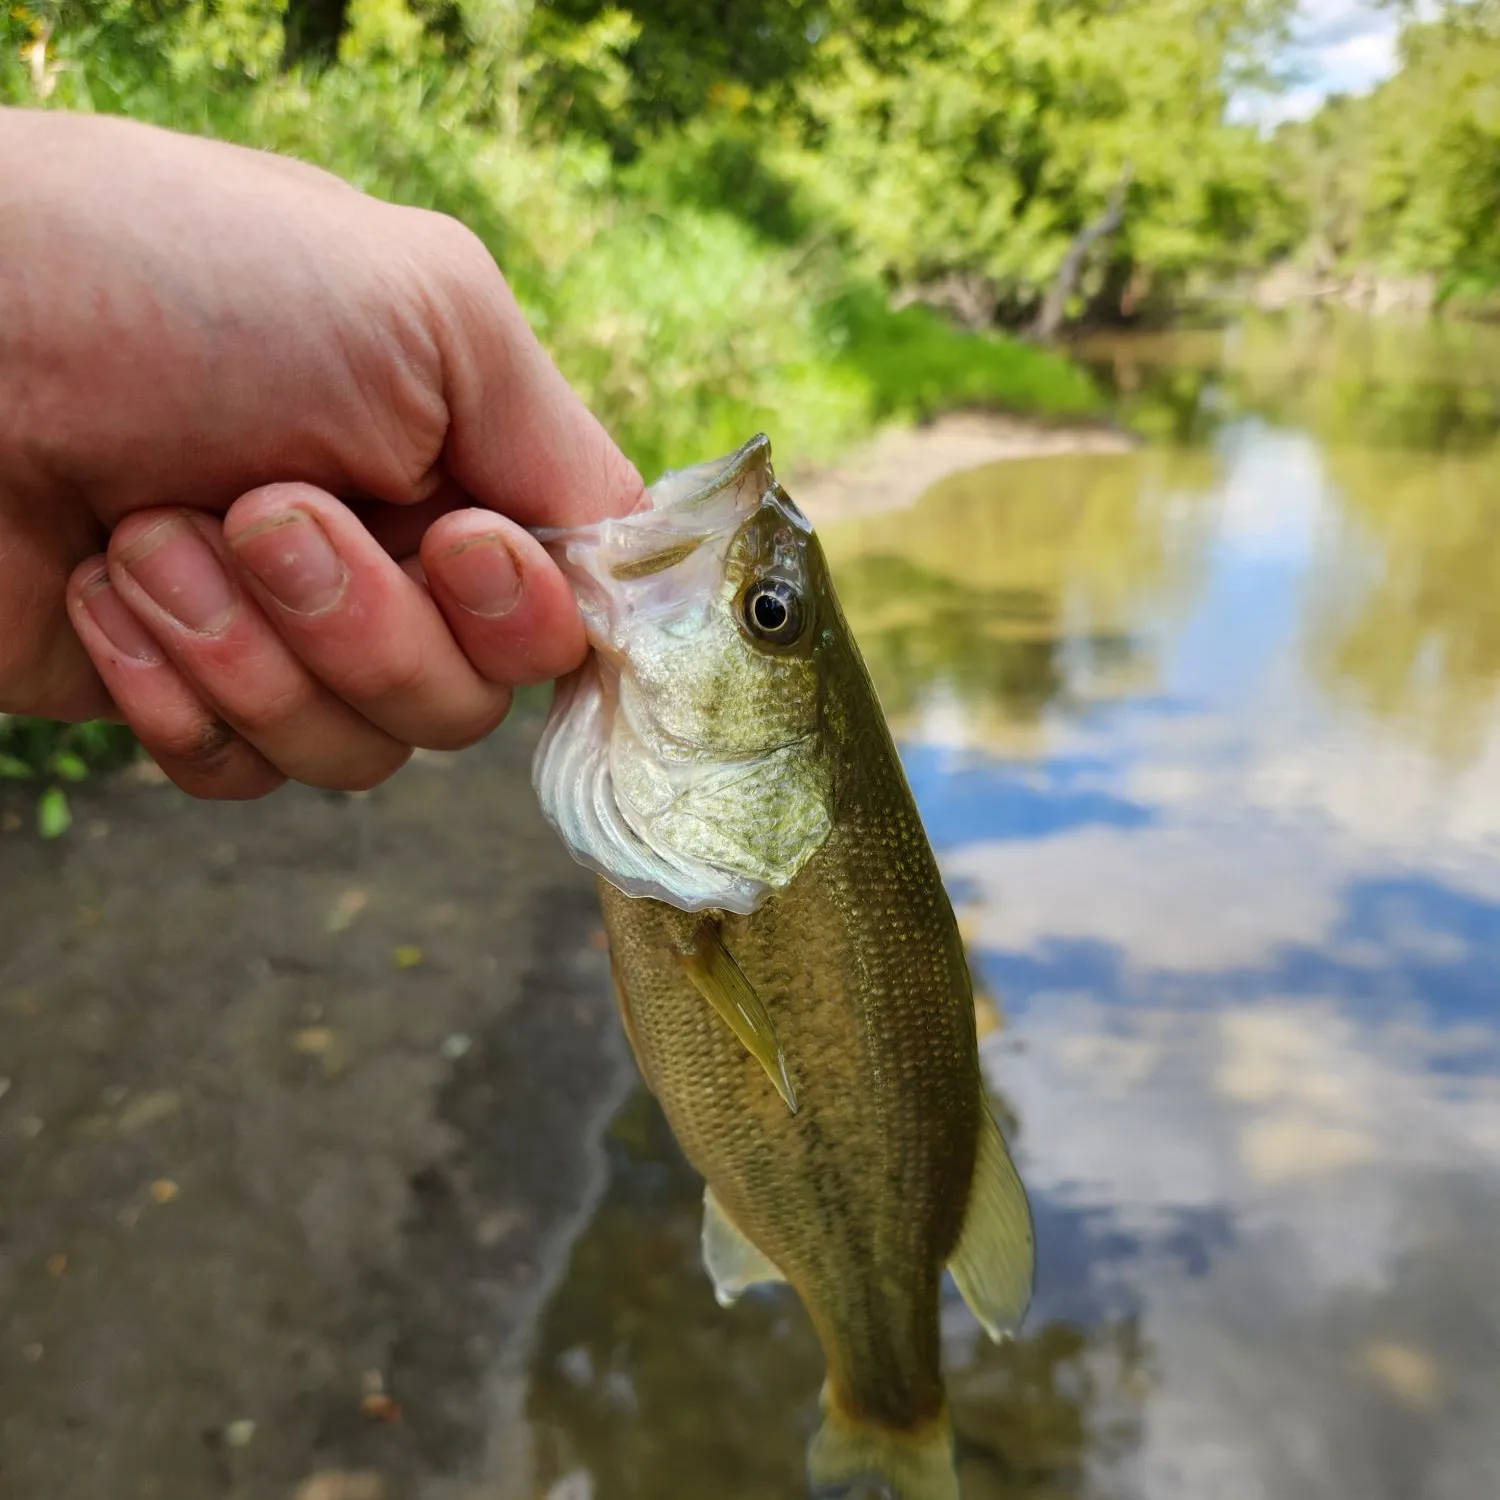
x=788 y=964
x=859 y=1197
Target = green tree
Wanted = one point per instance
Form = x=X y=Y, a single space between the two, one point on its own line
x=1406 y=180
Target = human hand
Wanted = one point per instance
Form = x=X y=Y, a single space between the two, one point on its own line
x=268 y=448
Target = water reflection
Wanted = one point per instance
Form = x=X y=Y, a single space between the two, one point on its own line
x=1416 y=635
x=1379 y=384
x=1207 y=741
x=1020 y=585
x=644 y=1384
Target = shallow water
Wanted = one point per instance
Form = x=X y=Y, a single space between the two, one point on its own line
x=1208 y=740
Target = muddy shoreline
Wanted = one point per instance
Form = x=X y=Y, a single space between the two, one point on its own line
x=301 y=1111
x=898 y=465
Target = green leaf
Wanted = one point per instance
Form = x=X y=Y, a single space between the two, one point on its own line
x=53 y=815
x=12 y=768
x=69 y=766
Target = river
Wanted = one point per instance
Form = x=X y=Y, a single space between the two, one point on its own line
x=1208 y=739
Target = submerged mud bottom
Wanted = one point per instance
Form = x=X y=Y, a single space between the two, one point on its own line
x=299 y=1112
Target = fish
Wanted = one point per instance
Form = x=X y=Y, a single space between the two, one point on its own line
x=787 y=963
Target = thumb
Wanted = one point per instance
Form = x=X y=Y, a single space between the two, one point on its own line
x=520 y=439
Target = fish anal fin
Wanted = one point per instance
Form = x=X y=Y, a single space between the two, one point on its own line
x=721 y=981
x=995 y=1262
x=732 y=1262
x=915 y=1465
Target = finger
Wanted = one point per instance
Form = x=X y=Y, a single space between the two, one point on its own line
x=400 y=528
x=520 y=439
x=173 y=571
x=362 y=625
x=504 y=599
x=178 y=729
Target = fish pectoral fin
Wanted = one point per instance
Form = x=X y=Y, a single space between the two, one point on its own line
x=721 y=981
x=995 y=1262
x=732 y=1262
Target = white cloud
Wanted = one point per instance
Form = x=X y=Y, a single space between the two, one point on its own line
x=1337 y=46
x=1271 y=496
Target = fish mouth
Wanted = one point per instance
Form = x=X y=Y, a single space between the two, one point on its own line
x=688 y=507
x=630 y=568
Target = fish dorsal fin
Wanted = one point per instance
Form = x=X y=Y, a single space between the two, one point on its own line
x=732 y=1262
x=995 y=1261
x=721 y=981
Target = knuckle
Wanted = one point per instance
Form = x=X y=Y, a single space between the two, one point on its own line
x=272 y=716
x=205 y=749
x=385 y=676
x=462 y=277
x=457 y=242
x=360 y=773
x=460 y=735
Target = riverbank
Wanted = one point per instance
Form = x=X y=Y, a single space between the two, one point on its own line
x=300 y=1106
x=899 y=464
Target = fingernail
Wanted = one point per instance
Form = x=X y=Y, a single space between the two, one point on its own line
x=183 y=575
x=119 y=627
x=294 y=559
x=482 y=575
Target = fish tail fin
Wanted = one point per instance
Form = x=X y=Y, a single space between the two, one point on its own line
x=915 y=1465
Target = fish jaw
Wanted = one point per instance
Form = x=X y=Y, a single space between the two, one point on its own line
x=652 y=769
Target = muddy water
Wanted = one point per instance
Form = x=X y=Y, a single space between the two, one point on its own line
x=1208 y=738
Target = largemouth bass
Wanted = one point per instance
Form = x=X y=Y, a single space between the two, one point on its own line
x=788 y=965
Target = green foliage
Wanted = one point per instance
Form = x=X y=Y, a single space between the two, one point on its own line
x=914 y=138
x=41 y=751
x=1006 y=126
x=718 y=163
x=914 y=364
x=1407 y=178
x=54 y=817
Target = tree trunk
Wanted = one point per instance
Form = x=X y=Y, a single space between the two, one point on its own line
x=312 y=31
x=1055 y=304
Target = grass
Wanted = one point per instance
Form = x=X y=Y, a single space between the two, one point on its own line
x=914 y=364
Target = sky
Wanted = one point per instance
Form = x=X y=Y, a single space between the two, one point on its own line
x=1340 y=46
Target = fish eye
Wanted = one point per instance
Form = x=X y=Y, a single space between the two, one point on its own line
x=773 y=611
